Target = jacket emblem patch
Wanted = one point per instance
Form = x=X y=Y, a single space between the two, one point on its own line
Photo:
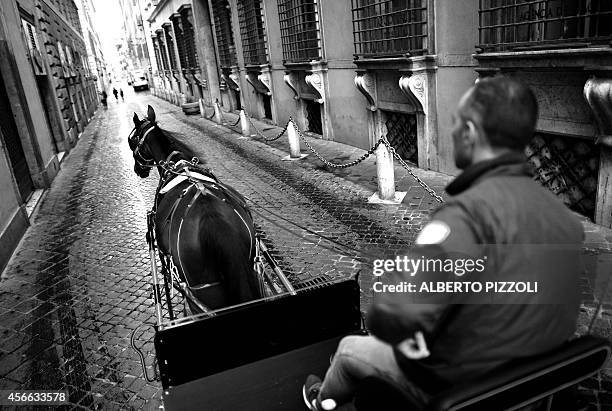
x=434 y=232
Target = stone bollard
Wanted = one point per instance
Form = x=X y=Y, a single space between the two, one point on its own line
x=218 y=116
x=294 y=143
x=201 y=105
x=244 y=124
x=385 y=173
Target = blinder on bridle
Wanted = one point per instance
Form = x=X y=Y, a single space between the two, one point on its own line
x=136 y=140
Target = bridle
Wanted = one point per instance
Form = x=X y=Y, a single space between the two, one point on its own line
x=145 y=128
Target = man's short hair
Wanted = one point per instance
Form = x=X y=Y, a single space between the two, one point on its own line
x=506 y=109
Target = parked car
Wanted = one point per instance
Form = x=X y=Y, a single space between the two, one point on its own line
x=140 y=82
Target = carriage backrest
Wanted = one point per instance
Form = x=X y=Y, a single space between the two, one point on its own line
x=197 y=348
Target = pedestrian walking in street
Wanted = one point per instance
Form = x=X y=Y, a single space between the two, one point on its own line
x=115 y=94
x=426 y=348
x=121 y=94
x=103 y=97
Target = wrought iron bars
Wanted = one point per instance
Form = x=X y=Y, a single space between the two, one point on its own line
x=252 y=32
x=383 y=28
x=162 y=49
x=300 y=33
x=223 y=32
x=191 y=55
x=177 y=24
x=527 y=24
x=170 y=45
x=402 y=134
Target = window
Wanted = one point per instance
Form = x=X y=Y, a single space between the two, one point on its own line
x=300 y=35
x=177 y=24
x=191 y=56
x=31 y=37
x=170 y=45
x=162 y=50
x=252 y=32
x=62 y=55
x=223 y=31
x=384 y=28
x=528 y=24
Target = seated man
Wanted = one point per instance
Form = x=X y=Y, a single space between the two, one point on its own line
x=428 y=347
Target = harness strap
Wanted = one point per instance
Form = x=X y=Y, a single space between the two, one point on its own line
x=178 y=179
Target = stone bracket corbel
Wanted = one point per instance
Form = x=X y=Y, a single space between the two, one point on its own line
x=413 y=86
x=186 y=75
x=199 y=80
x=176 y=75
x=315 y=80
x=264 y=78
x=366 y=84
x=598 y=94
x=229 y=82
x=235 y=78
x=253 y=79
x=290 y=79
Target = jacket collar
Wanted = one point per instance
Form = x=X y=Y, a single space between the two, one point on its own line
x=511 y=164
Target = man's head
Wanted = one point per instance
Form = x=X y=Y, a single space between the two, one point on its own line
x=496 y=116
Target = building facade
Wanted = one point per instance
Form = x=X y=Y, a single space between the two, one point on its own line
x=96 y=64
x=134 y=50
x=354 y=70
x=47 y=96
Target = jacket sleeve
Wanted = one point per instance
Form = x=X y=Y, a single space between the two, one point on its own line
x=395 y=316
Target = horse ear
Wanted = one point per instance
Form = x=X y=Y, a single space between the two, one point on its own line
x=151 y=113
x=136 y=119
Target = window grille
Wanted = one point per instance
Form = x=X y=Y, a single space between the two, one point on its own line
x=252 y=32
x=300 y=35
x=402 y=134
x=177 y=24
x=170 y=46
x=568 y=167
x=528 y=24
x=157 y=54
x=383 y=28
x=30 y=32
x=162 y=49
x=313 y=116
x=223 y=31
x=191 y=55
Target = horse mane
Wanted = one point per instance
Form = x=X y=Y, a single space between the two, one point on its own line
x=175 y=144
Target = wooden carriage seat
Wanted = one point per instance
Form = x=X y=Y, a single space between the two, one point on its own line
x=513 y=386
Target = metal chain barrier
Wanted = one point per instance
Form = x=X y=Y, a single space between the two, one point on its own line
x=260 y=134
x=334 y=165
x=222 y=118
x=236 y=123
x=372 y=150
x=409 y=169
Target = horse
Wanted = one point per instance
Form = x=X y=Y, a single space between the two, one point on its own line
x=202 y=226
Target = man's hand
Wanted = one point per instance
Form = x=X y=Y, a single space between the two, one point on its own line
x=414 y=348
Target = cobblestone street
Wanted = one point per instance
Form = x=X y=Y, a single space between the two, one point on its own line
x=78 y=285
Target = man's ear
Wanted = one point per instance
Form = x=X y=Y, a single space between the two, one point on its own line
x=474 y=134
x=136 y=119
x=151 y=114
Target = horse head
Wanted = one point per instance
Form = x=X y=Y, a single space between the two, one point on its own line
x=143 y=144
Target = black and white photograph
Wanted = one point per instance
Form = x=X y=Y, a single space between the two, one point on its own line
x=292 y=205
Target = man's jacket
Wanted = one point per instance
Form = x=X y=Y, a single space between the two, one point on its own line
x=495 y=202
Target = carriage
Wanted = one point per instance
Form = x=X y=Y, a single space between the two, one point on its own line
x=257 y=353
